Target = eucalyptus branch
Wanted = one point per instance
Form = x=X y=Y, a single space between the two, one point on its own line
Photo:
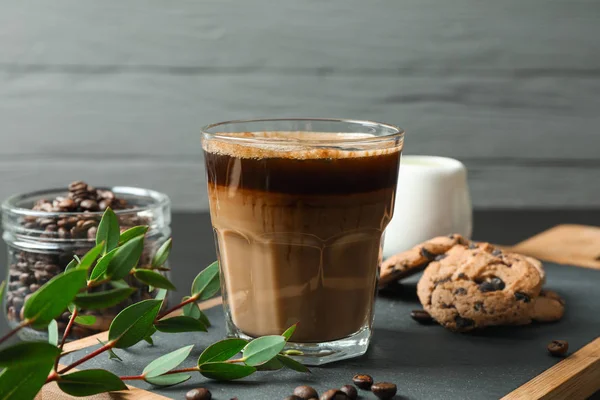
x=177 y=307
x=88 y=357
x=65 y=335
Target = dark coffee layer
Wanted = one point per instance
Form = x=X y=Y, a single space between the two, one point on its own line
x=304 y=176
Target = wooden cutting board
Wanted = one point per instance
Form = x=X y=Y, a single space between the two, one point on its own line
x=575 y=377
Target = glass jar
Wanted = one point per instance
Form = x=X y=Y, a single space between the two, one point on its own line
x=40 y=244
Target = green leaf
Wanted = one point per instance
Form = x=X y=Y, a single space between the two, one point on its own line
x=53 y=333
x=169 y=380
x=262 y=349
x=102 y=264
x=108 y=230
x=119 y=284
x=104 y=299
x=149 y=340
x=90 y=382
x=180 y=324
x=2 y=288
x=289 y=332
x=222 y=371
x=132 y=233
x=148 y=337
x=91 y=256
x=292 y=364
x=50 y=300
x=72 y=264
x=126 y=258
x=222 y=350
x=153 y=278
x=167 y=362
x=111 y=354
x=71 y=307
x=272 y=365
x=161 y=294
x=25 y=382
x=162 y=254
x=27 y=353
x=207 y=283
x=85 y=320
x=192 y=310
x=133 y=323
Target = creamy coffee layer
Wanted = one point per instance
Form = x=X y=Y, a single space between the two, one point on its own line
x=299 y=238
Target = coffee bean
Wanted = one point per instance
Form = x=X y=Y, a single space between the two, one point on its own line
x=17 y=302
x=26 y=279
x=305 y=392
x=422 y=317
x=41 y=275
x=334 y=394
x=558 y=348
x=51 y=228
x=350 y=391
x=51 y=269
x=363 y=381
x=23 y=291
x=293 y=397
x=520 y=296
x=11 y=313
x=384 y=390
x=91 y=233
x=77 y=185
x=427 y=254
x=462 y=323
x=90 y=205
x=492 y=285
x=198 y=394
x=34 y=287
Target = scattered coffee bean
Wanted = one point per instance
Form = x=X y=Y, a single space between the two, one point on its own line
x=334 y=394
x=558 y=348
x=422 y=317
x=293 y=397
x=363 y=381
x=492 y=285
x=198 y=394
x=350 y=391
x=462 y=323
x=305 y=392
x=384 y=390
x=522 y=297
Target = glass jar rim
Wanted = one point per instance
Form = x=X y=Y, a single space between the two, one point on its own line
x=10 y=204
x=390 y=132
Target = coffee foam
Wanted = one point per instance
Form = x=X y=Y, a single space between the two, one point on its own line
x=294 y=145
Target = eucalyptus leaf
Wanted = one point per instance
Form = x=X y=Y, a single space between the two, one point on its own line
x=292 y=364
x=149 y=340
x=206 y=284
x=102 y=264
x=272 y=365
x=27 y=353
x=161 y=294
x=89 y=382
x=2 y=288
x=262 y=349
x=108 y=230
x=88 y=258
x=119 y=284
x=53 y=333
x=192 y=310
x=111 y=354
x=133 y=323
x=180 y=324
x=153 y=278
x=132 y=233
x=71 y=307
x=289 y=332
x=222 y=350
x=162 y=254
x=85 y=320
x=104 y=299
x=72 y=264
x=167 y=362
x=50 y=300
x=226 y=372
x=24 y=382
x=126 y=258
x=169 y=380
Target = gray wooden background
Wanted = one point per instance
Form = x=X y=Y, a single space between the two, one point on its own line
x=115 y=91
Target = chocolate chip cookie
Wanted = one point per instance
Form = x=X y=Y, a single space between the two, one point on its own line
x=410 y=262
x=548 y=307
x=477 y=285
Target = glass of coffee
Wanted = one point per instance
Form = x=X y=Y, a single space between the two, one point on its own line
x=299 y=208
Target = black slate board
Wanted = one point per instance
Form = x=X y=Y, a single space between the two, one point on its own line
x=426 y=362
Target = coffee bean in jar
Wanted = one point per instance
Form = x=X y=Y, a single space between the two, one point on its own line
x=45 y=230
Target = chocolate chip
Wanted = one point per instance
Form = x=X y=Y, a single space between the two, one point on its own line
x=305 y=392
x=520 y=296
x=422 y=317
x=363 y=381
x=492 y=285
x=350 y=391
x=497 y=252
x=558 y=348
x=460 y=291
x=478 y=306
x=440 y=257
x=462 y=276
x=427 y=254
x=444 y=280
x=334 y=394
x=384 y=390
x=198 y=394
x=463 y=323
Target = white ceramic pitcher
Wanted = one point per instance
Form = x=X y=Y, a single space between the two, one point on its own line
x=432 y=199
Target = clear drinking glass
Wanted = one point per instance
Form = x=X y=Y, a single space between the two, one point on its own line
x=299 y=207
